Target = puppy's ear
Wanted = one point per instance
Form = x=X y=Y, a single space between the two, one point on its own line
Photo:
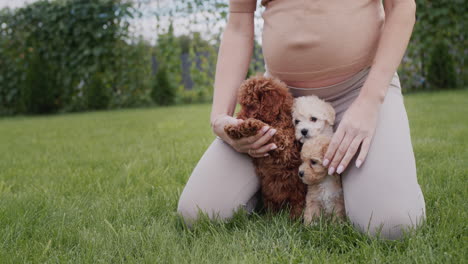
x=271 y=102
x=294 y=107
x=330 y=114
x=324 y=142
x=248 y=98
x=275 y=101
x=325 y=148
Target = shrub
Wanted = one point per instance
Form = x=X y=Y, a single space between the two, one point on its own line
x=97 y=92
x=441 y=68
x=71 y=40
x=40 y=92
x=164 y=91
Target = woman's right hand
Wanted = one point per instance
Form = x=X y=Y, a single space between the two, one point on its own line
x=256 y=146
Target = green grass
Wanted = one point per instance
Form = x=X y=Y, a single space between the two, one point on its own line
x=103 y=187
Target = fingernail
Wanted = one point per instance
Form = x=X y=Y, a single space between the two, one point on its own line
x=358 y=164
x=266 y=155
x=264 y=129
x=273 y=147
x=331 y=171
x=325 y=162
x=340 y=169
x=272 y=132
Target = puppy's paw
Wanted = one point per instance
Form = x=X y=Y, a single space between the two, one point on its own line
x=308 y=219
x=248 y=128
x=251 y=127
x=233 y=131
x=311 y=214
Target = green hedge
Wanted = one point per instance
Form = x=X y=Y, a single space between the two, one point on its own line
x=441 y=70
x=436 y=21
x=68 y=55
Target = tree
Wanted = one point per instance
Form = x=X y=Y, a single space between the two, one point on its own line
x=441 y=20
x=163 y=92
x=441 y=69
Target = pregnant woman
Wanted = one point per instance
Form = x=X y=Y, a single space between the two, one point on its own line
x=346 y=52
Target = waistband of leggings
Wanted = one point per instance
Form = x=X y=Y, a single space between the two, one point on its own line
x=331 y=92
x=350 y=82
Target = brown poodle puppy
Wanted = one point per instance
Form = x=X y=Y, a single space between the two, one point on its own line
x=267 y=101
x=324 y=192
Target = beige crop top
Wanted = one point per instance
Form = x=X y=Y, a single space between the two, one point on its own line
x=312 y=40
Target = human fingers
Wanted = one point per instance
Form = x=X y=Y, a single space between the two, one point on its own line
x=352 y=149
x=334 y=143
x=263 y=139
x=262 y=151
x=340 y=152
x=363 y=152
x=252 y=153
x=244 y=144
x=252 y=139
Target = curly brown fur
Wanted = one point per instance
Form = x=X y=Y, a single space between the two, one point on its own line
x=266 y=100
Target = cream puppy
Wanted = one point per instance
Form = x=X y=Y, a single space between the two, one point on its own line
x=312 y=116
x=313 y=120
x=324 y=192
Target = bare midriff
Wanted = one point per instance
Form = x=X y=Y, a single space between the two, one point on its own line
x=316 y=43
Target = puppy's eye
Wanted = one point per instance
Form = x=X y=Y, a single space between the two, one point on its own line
x=313 y=162
x=313 y=119
x=296 y=122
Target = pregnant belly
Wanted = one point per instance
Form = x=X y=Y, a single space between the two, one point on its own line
x=312 y=46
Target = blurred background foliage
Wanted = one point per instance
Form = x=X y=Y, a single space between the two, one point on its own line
x=439 y=38
x=77 y=55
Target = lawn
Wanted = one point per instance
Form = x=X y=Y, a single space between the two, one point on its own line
x=103 y=187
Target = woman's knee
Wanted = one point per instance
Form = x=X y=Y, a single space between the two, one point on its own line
x=392 y=228
x=187 y=209
x=222 y=181
x=389 y=220
x=193 y=203
x=190 y=210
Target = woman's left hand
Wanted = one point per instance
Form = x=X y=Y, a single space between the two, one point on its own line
x=357 y=127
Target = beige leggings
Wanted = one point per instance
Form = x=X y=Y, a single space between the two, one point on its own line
x=381 y=196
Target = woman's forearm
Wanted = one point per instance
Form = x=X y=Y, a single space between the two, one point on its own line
x=234 y=56
x=399 y=23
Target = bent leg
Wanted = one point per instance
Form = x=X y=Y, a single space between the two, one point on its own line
x=223 y=180
x=384 y=195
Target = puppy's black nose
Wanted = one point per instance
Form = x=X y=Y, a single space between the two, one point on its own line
x=304 y=131
x=301 y=174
